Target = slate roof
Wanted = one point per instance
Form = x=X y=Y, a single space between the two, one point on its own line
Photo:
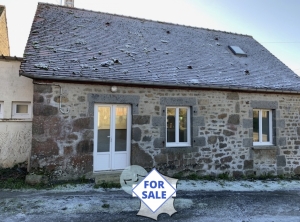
x=80 y=45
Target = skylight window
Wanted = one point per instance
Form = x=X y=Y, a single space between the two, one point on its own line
x=237 y=50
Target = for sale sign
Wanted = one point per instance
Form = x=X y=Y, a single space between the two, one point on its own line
x=154 y=190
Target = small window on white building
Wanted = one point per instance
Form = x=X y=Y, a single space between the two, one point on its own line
x=262 y=127
x=178 y=127
x=21 y=110
x=1 y=109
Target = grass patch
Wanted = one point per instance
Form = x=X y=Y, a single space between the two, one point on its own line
x=107 y=185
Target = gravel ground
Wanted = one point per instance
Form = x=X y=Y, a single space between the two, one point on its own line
x=195 y=201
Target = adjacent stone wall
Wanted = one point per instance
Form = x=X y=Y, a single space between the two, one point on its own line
x=15 y=142
x=221 y=126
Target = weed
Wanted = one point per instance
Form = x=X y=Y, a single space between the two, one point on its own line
x=107 y=185
x=193 y=177
x=178 y=175
x=224 y=176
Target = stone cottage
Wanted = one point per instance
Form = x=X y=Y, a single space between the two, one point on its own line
x=112 y=91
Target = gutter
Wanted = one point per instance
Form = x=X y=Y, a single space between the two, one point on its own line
x=191 y=86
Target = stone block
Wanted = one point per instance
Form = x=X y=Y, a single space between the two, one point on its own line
x=44 y=110
x=228 y=132
x=264 y=104
x=280 y=123
x=281 y=161
x=147 y=138
x=222 y=145
x=38 y=125
x=226 y=159
x=136 y=134
x=140 y=120
x=297 y=170
x=199 y=141
x=85 y=146
x=46 y=148
x=83 y=124
x=82 y=162
x=198 y=121
x=158 y=121
x=237 y=107
x=247 y=142
x=159 y=143
x=34 y=179
x=81 y=98
x=42 y=88
x=232 y=96
x=248 y=165
x=37 y=98
x=178 y=101
x=212 y=139
x=140 y=157
x=234 y=119
x=222 y=116
x=248 y=123
x=161 y=159
x=282 y=141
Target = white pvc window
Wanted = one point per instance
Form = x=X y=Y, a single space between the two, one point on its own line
x=262 y=127
x=178 y=126
x=21 y=110
x=1 y=109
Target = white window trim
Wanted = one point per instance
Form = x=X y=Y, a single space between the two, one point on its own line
x=1 y=109
x=177 y=143
x=260 y=128
x=16 y=115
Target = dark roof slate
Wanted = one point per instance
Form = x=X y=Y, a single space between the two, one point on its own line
x=80 y=45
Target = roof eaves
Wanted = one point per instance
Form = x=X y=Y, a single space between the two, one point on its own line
x=210 y=87
x=3 y=57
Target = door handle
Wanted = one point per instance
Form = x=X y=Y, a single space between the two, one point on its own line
x=108 y=136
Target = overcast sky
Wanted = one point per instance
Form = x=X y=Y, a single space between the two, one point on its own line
x=273 y=23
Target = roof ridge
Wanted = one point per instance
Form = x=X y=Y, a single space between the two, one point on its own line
x=144 y=19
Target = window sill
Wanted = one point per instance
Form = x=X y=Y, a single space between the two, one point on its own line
x=265 y=147
x=16 y=120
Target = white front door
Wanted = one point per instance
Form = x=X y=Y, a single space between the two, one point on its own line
x=112 y=137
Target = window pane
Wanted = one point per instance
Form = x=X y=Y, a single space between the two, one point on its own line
x=103 y=129
x=121 y=129
x=22 y=109
x=171 y=124
x=255 y=126
x=265 y=126
x=183 y=125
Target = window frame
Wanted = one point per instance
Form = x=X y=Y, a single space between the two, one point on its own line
x=177 y=143
x=16 y=115
x=270 y=142
x=1 y=109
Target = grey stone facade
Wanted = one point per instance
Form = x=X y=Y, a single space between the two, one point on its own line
x=221 y=130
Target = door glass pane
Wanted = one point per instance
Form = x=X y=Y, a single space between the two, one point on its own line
x=103 y=129
x=121 y=128
x=183 y=124
x=265 y=126
x=22 y=109
x=255 y=125
x=171 y=112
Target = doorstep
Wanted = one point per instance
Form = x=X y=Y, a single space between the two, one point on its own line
x=107 y=176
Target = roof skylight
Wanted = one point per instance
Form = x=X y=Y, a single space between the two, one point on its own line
x=237 y=50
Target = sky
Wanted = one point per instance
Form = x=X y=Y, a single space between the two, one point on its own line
x=273 y=23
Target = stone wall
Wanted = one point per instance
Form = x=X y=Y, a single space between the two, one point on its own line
x=221 y=126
